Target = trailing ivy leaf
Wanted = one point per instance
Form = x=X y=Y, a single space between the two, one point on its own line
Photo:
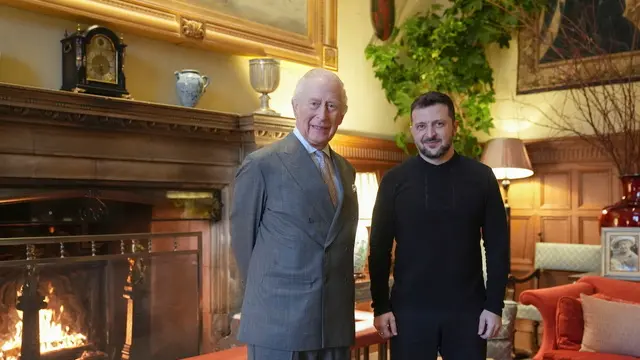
x=444 y=50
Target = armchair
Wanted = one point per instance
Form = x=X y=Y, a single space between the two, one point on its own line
x=579 y=258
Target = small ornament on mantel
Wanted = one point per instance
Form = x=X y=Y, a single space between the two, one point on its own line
x=264 y=75
x=190 y=85
x=93 y=62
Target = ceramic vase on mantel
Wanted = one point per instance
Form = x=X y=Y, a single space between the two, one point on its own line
x=190 y=85
x=626 y=212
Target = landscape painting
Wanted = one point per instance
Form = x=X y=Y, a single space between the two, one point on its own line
x=288 y=15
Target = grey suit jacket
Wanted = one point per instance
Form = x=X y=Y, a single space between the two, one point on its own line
x=293 y=250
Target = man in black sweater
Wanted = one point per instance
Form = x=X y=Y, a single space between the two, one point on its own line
x=437 y=206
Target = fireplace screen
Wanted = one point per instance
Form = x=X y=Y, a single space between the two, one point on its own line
x=116 y=296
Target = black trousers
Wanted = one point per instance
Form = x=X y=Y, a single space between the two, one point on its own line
x=423 y=334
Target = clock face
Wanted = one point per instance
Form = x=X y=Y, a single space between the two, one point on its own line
x=101 y=60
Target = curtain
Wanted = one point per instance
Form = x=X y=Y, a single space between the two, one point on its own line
x=367 y=189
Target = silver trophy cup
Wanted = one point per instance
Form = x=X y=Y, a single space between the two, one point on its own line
x=265 y=77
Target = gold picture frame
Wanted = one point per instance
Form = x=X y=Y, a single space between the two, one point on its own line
x=545 y=34
x=191 y=23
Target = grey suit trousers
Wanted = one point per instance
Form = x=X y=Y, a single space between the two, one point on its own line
x=263 y=353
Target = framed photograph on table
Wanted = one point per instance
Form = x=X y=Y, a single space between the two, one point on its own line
x=621 y=252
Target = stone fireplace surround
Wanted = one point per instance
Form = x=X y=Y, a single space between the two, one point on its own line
x=56 y=138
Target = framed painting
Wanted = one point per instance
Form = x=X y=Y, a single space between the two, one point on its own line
x=302 y=31
x=576 y=43
x=621 y=252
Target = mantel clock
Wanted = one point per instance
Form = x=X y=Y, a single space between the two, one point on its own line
x=92 y=62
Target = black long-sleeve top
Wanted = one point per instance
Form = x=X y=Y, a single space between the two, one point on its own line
x=437 y=215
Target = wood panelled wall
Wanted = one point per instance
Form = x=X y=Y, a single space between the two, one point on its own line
x=572 y=182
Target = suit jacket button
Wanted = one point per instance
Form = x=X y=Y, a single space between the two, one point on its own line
x=310 y=221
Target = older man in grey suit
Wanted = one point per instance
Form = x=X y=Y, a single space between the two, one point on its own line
x=293 y=224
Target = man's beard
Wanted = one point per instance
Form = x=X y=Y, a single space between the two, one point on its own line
x=434 y=154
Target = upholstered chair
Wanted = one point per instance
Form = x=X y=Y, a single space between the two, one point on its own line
x=570 y=258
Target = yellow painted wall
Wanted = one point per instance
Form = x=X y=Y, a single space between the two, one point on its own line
x=30 y=55
x=524 y=116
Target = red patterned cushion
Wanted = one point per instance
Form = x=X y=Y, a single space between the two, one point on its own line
x=569 y=323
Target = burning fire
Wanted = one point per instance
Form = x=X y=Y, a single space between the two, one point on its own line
x=53 y=335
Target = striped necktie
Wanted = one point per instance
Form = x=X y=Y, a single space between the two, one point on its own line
x=326 y=169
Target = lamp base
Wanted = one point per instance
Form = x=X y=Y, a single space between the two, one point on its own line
x=507 y=209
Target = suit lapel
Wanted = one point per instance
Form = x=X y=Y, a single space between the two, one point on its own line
x=347 y=189
x=305 y=173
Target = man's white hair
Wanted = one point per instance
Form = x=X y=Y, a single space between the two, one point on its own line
x=320 y=73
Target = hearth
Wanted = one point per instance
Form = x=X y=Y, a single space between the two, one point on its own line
x=67 y=322
x=91 y=273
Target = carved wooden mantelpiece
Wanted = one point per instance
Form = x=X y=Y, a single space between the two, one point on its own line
x=27 y=105
x=51 y=135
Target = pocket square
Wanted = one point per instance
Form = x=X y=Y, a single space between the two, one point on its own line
x=354 y=188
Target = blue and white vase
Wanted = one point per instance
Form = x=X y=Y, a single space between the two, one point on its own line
x=190 y=86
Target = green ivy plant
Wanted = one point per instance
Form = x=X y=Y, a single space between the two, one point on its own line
x=445 y=50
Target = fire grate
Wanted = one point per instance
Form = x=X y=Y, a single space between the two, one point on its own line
x=135 y=296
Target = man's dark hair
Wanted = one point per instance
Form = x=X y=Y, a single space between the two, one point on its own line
x=432 y=98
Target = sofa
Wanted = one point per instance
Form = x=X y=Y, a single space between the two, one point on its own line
x=571 y=312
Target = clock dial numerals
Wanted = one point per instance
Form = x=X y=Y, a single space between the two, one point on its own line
x=101 y=60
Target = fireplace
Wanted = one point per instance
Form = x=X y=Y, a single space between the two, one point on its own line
x=90 y=184
x=67 y=324
x=102 y=274
x=102 y=169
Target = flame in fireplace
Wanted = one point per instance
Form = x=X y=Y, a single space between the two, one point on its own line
x=53 y=334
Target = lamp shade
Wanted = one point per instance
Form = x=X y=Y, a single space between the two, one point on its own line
x=508 y=158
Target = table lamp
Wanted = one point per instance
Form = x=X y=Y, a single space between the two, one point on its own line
x=509 y=160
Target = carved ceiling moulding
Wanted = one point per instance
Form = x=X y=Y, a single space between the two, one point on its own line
x=564 y=150
x=307 y=34
x=192 y=29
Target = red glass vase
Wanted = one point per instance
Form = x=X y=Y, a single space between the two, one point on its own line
x=626 y=212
